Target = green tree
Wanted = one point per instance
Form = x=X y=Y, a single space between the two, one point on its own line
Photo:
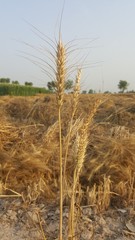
x=91 y=91
x=52 y=85
x=4 y=80
x=123 y=85
x=15 y=82
x=68 y=84
x=84 y=92
x=28 y=84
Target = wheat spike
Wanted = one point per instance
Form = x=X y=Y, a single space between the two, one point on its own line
x=76 y=90
x=60 y=72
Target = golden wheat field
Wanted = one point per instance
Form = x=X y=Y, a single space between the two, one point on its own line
x=29 y=149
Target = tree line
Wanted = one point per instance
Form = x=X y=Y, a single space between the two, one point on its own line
x=122 y=85
x=7 y=80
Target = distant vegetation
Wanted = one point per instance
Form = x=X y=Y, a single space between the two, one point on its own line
x=123 y=85
x=4 y=80
x=15 y=82
x=52 y=85
x=28 y=84
x=15 y=89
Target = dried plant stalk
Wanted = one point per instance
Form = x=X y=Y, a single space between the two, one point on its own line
x=82 y=142
x=60 y=83
x=76 y=93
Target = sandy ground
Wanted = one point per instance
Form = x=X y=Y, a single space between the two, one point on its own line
x=19 y=221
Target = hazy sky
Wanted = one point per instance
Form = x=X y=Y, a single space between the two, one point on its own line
x=110 y=22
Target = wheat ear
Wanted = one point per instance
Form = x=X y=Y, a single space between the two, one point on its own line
x=76 y=93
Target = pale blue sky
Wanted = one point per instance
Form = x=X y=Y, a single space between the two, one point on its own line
x=112 y=22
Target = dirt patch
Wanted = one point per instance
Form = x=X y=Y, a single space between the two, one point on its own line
x=22 y=222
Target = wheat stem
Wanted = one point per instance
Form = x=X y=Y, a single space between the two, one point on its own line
x=61 y=175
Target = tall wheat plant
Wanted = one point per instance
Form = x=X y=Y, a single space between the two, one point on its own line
x=80 y=153
x=60 y=83
x=82 y=137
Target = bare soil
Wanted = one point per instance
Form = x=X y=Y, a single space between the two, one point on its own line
x=21 y=222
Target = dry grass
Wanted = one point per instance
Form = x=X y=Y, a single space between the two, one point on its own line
x=30 y=151
x=112 y=156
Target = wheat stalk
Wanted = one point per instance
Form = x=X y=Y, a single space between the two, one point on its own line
x=60 y=83
x=81 y=142
x=76 y=93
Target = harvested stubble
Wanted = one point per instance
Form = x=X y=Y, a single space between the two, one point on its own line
x=112 y=157
x=32 y=110
x=29 y=154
